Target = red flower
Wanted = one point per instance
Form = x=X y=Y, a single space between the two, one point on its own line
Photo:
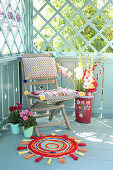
x=15 y=108
x=19 y=106
x=95 y=88
x=84 y=73
x=95 y=84
x=11 y=108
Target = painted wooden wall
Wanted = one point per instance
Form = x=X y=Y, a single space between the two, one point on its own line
x=102 y=100
x=10 y=86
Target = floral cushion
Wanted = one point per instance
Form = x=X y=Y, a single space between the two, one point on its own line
x=55 y=94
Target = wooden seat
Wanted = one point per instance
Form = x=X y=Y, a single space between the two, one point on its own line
x=39 y=70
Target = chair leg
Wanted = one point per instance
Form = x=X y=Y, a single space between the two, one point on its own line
x=37 y=132
x=52 y=114
x=65 y=118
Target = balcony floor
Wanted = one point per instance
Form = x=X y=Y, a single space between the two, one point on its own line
x=98 y=135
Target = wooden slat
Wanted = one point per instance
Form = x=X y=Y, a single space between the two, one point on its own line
x=40 y=82
x=48 y=108
x=36 y=55
x=108 y=86
x=42 y=115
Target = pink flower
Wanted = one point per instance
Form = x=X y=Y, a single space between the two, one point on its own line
x=64 y=73
x=31 y=113
x=82 y=102
x=84 y=108
x=25 y=112
x=25 y=118
x=59 y=70
x=21 y=114
x=88 y=102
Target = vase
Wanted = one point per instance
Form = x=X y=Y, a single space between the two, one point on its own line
x=28 y=132
x=15 y=128
x=83 y=107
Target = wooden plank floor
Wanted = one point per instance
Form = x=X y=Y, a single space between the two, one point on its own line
x=98 y=135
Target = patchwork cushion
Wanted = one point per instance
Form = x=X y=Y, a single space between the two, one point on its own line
x=39 y=67
x=55 y=94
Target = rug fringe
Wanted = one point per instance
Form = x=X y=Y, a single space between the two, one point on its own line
x=78 y=141
x=20 y=153
x=62 y=160
x=74 y=138
x=24 y=143
x=82 y=144
x=81 y=149
x=33 y=137
x=74 y=157
x=53 y=134
x=21 y=148
x=42 y=134
x=27 y=140
x=29 y=156
x=79 y=153
x=38 y=159
x=49 y=161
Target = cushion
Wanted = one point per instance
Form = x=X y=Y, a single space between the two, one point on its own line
x=55 y=94
x=39 y=67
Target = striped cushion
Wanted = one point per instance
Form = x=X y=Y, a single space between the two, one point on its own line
x=39 y=67
x=55 y=94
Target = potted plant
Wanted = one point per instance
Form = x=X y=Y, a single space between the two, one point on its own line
x=14 y=118
x=28 y=121
x=85 y=84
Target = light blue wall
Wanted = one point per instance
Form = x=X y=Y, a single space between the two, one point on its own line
x=9 y=85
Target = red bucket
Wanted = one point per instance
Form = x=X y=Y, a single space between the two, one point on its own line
x=83 y=109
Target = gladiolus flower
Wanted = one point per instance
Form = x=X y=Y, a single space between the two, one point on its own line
x=59 y=70
x=25 y=118
x=64 y=69
x=69 y=74
x=79 y=72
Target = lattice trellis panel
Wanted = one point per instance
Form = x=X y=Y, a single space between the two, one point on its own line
x=12 y=29
x=67 y=25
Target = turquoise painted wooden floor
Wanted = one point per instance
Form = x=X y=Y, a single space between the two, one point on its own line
x=98 y=135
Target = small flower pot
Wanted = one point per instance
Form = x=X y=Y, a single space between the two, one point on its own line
x=15 y=128
x=83 y=107
x=28 y=132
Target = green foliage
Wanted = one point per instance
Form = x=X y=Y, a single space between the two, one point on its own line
x=27 y=120
x=27 y=124
x=77 y=21
x=14 y=117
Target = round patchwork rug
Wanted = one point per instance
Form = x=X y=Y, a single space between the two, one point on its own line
x=53 y=146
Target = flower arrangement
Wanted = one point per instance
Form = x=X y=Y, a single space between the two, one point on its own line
x=84 y=78
x=27 y=119
x=14 y=116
